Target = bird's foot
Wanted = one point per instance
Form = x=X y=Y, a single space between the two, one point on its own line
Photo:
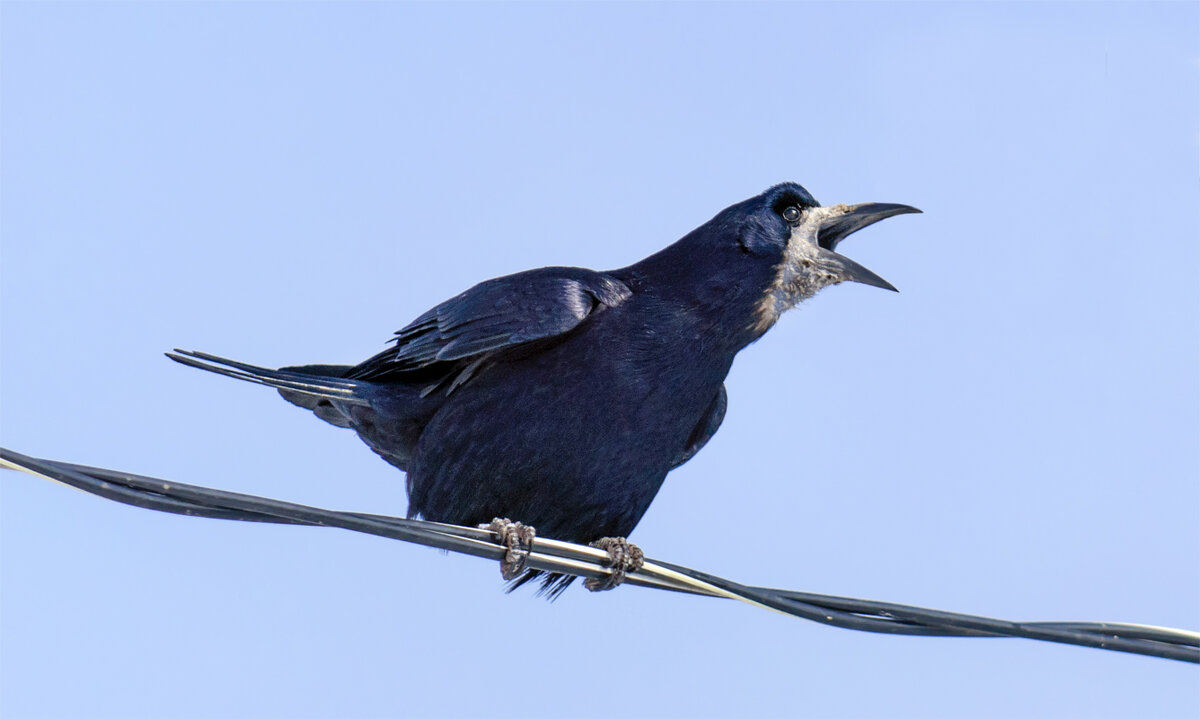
x=623 y=557
x=517 y=538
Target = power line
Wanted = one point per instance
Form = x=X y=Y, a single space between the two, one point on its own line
x=566 y=558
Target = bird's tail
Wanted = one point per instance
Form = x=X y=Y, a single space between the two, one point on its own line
x=310 y=386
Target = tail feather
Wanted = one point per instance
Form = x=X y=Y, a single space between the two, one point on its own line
x=322 y=407
x=286 y=380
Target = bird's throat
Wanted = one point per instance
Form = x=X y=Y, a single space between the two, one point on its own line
x=800 y=273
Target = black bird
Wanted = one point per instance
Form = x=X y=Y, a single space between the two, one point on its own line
x=561 y=397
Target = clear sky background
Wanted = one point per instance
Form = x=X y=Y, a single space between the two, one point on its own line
x=1015 y=434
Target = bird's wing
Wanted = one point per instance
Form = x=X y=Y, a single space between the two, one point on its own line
x=705 y=428
x=495 y=315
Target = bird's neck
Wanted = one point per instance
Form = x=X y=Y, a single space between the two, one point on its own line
x=682 y=287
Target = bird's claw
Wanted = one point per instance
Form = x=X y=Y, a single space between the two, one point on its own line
x=517 y=538
x=623 y=557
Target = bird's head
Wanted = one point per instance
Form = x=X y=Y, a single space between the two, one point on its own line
x=793 y=238
x=754 y=260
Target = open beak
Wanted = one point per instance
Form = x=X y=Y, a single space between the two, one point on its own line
x=839 y=226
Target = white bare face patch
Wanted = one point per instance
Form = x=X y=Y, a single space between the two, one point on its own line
x=801 y=274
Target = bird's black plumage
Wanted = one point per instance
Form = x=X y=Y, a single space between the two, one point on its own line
x=561 y=397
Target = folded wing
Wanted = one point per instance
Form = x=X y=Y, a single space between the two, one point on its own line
x=457 y=336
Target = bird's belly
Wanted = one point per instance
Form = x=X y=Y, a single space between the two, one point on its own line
x=576 y=443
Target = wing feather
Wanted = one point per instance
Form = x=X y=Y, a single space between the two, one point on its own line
x=491 y=317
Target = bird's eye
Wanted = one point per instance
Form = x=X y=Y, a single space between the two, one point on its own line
x=791 y=213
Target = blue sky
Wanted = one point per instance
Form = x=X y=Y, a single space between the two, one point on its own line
x=1015 y=434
